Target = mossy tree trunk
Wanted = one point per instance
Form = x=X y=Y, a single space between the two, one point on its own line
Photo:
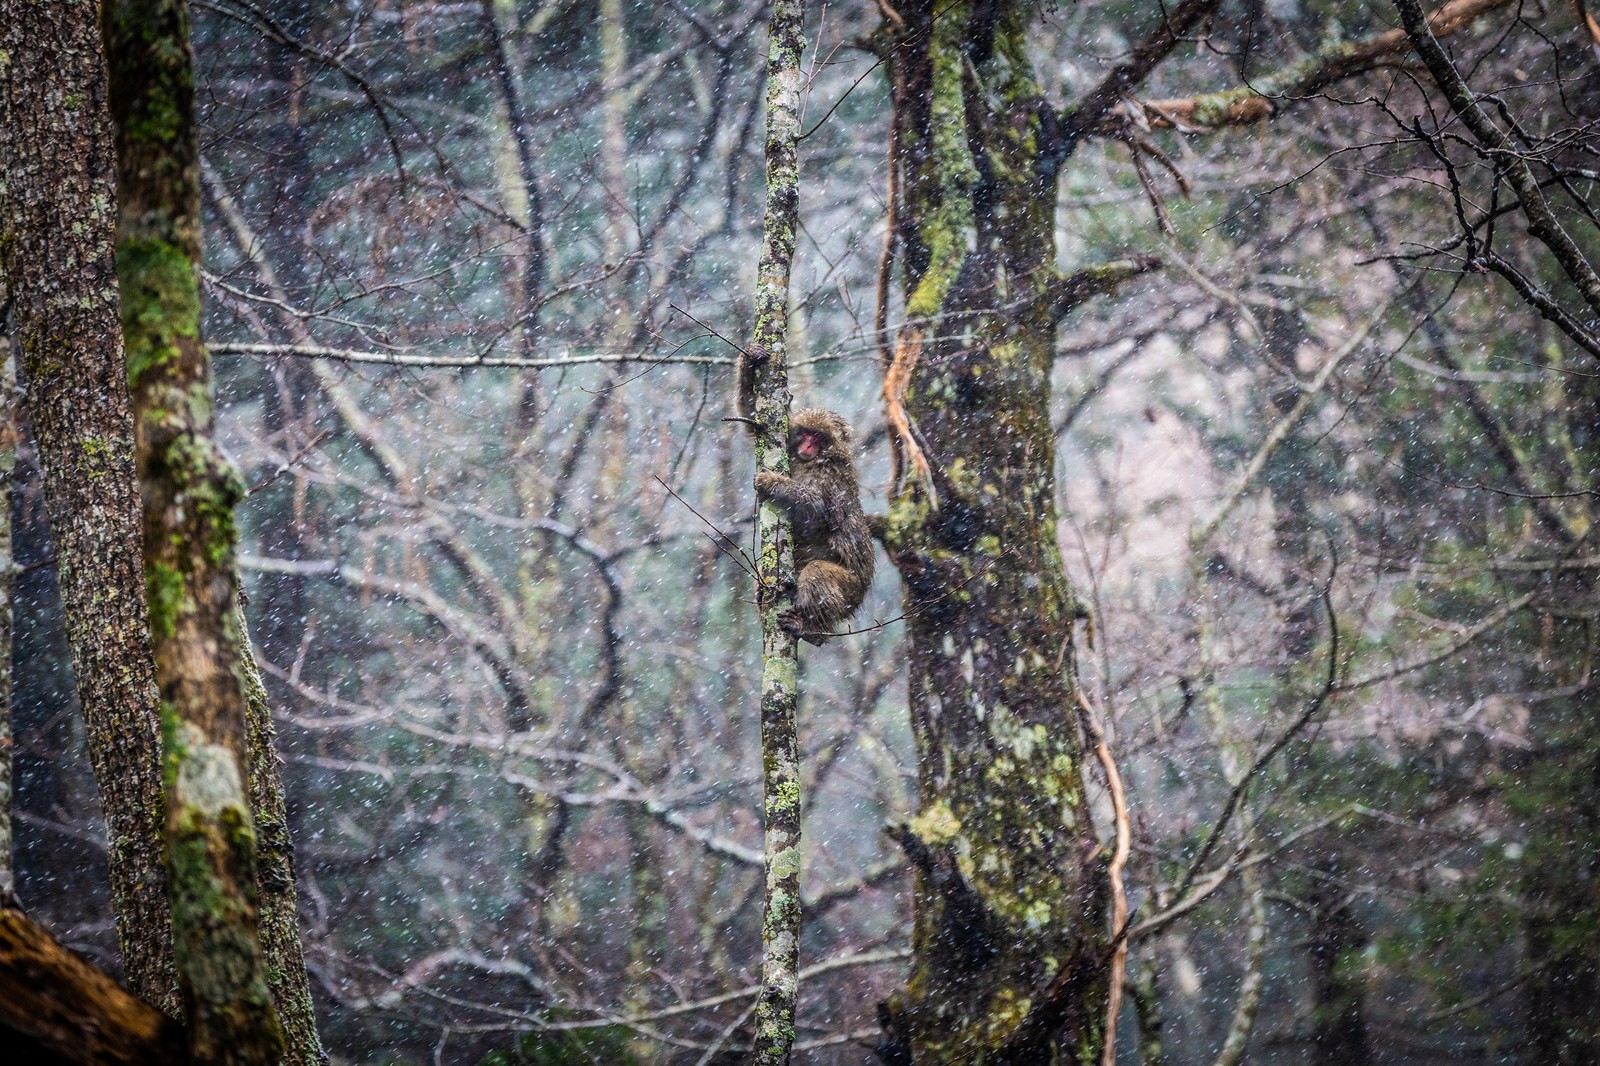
x=57 y=217
x=9 y=434
x=780 y=748
x=1010 y=939
x=190 y=491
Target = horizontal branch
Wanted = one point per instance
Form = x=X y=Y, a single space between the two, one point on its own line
x=1263 y=97
x=468 y=362
x=1077 y=289
x=351 y=355
x=879 y=957
x=1128 y=75
x=1453 y=648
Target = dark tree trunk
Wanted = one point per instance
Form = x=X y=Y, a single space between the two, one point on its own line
x=1338 y=1016
x=1010 y=937
x=56 y=1009
x=10 y=434
x=59 y=218
x=1560 y=796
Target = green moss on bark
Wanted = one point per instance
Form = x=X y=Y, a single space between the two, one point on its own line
x=1005 y=899
x=160 y=304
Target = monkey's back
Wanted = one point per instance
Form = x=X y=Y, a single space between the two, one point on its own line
x=832 y=541
x=842 y=537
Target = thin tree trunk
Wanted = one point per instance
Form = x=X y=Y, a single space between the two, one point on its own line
x=1338 y=1020
x=190 y=491
x=281 y=949
x=58 y=203
x=780 y=749
x=281 y=604
x=289 y=410
x=524 y=201
x=9 y=436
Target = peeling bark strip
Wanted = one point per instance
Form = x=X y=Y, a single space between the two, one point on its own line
x=780 y=756
x=1009 y=938
x=189 y=492
x=57 y=211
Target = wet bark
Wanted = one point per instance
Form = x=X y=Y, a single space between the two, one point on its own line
x=190 y=491
x=282 y=952
x=1009 y=936
x=56 y=185
x=56 y=1008
x=780 y=749
x=9 y=436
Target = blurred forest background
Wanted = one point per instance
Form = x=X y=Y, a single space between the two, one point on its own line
x=476 y=274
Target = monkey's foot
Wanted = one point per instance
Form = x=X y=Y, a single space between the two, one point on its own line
x=791 y=623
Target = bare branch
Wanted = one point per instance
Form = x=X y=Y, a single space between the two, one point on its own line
x=1264 y=97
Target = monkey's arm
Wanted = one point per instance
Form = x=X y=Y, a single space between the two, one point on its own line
x=809 y=500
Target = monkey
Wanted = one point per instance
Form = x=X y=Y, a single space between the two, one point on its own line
x=832 y=545
x=832 y=541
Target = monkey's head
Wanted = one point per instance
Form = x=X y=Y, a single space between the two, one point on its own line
x=817 y=435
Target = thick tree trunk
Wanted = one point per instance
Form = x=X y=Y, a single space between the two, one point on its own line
x=1010 y=938
x=190 y=491
x=58 y=204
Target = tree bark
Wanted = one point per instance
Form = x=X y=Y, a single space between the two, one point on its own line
x=190 y=491
x=1338 y=1019
x=780 y=748
x=9 y=435
x=281 y=949
x=1009 y=938
x=57 y=199
x=57 y=1008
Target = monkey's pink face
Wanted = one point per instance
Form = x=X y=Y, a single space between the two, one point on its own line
x=810 y=444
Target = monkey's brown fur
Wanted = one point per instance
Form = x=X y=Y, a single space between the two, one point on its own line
x=832 y=545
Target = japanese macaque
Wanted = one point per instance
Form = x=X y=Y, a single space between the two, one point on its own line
x=832 y=545
x=832 y=540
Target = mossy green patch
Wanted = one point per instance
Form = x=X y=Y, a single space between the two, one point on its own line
x=160 y=303
x=164 y=588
